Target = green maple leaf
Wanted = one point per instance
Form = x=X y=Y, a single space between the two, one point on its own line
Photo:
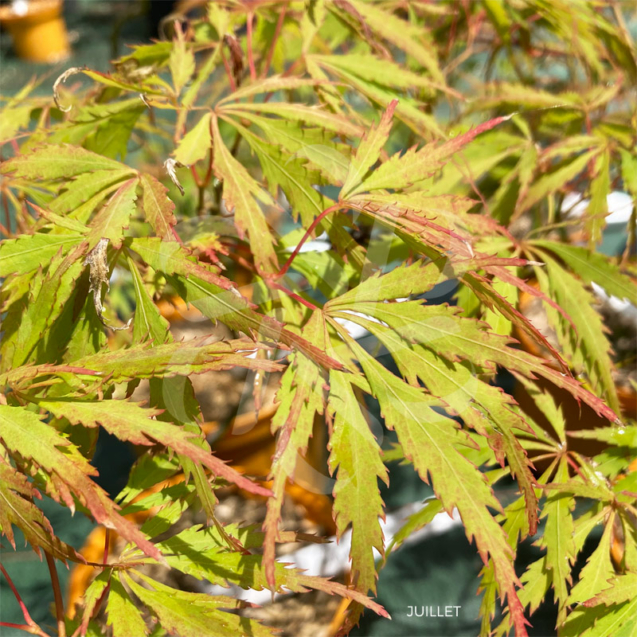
x=429 y=439
x=56 y=162
x=368 y=151
x=171 y=359
x=241 y=194
x=356 y=457
x=111 y=220
x=190 y=614
x=196 y=143
x=301 y=399
x=158 y=208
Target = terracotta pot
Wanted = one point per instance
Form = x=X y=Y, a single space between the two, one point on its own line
x=38 y=32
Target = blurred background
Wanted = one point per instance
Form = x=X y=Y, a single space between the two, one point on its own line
x=437 y=568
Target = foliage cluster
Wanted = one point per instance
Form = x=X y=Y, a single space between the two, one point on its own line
x=261 y=125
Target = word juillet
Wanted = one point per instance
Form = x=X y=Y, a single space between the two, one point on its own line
x=433 y=611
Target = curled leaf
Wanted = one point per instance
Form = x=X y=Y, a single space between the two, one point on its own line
x=74 y=70
x=97 y=261
x=170 y=165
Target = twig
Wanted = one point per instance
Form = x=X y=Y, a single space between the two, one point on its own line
x=107 y=542
x=307 y=234
x=275 y=38
x=57 y=594
x=30 y=626
x=7 y=215
x=293 y=295
x=25 y=627
x=226 y=66
x=630 y=243
x=253 y=72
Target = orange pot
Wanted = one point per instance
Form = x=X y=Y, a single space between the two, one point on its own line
x=38 y=32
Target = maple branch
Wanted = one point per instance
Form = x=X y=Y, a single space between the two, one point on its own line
x=30 y=626
x=107 y=541
x=253 y=72
x=275 y=39
x=293 y=295
x=57 y=594
x=177 y=237
x=307 y=234
x=29 y=629
x=195 y=176
x=7 y=215
x=226 y=66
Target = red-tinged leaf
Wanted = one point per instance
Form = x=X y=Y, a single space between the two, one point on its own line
x=22 y=432
x=67 y=223
x=429 y=439
x=17 y=508
x=24 y=373
x=485 y=291
x=196 y=143
x=241 y=194
x=520 y=468
x=455 y=338
x=357 y=500
x=158 y=208
x=195 y=356
x=368 y=151
x=219 y=300
x=422 y=225
x=309 y=115
x=401 y=171
x=129 y=421
x=622 y=589
x=173 y=258
x=509 y=277
x=458 y=386
x=301 y=398
x=110 y=221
